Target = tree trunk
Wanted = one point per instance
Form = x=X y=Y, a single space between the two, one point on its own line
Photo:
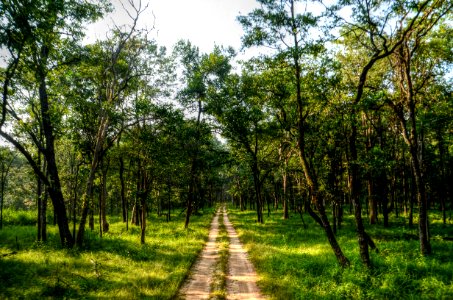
x=75 y=198
x=309 y=176
x=87 y=199
x=330 y=236
x=44 y=220
x=322 y=218
x=169 y=203
x=412 y=201
x=123 y=190
x=39 y=200
x=443 y=181
x=136 y=209
x=91 y=220
x=423 y=225
x=143 y=219
x=355 y=191
x=190 y=196
x=411 y=138
x=382 y=192
x=285 y=196
x=372 y=203
x=258 y=198
x=134 y=214
x=100 y=211
x=54 y=189
x=104 y=194
x=144 y=191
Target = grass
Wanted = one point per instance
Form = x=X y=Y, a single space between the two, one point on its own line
x=116 y=266
x=19 y=217
x=297 y=263
x=218 y=287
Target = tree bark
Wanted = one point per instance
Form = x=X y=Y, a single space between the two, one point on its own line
x=104 y=194
x=285 y=159
x=144 y=191
x=123 y=190
x=74 y=204
x=87 y=198
x=411 y=138
x=54 y=189
x=355 y=191
x=309 y=177
x=39 y=200
x=257 y=185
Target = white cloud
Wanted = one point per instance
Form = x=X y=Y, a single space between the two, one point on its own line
x=203 y=22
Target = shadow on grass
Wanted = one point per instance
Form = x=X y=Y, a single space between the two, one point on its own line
x=297 y=263
x=117 y=266
x=56 y=281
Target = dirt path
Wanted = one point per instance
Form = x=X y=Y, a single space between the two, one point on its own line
x=241 y=277
x=198 y=285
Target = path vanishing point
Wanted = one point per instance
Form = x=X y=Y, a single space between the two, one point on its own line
x=241 y=277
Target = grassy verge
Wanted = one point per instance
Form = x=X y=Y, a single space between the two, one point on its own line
x=297 y=263
x=219 y=281
x=116 y=266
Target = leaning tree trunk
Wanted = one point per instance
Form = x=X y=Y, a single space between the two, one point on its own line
x=322 y=219
x=411 y=138
x=309 y=177
x=54 y=188
x=100 y=137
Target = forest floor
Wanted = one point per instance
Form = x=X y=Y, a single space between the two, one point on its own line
x=116 y=266
x=238 y=279
x=294 y=260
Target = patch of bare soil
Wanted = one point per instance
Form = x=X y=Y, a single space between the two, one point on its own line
x=241 y=278
x=198 y=285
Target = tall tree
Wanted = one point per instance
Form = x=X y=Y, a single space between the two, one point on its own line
x=372 y=25
x=239 y=110
x=201 y=72
x=122 y=61
x=278 y=25
x=414 y=71
x=41 y=37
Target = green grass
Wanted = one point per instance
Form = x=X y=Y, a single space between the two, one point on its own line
x=297 y=263
x=19 y=217
x=116 y=266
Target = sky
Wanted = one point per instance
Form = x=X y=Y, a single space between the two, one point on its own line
x=204 y=22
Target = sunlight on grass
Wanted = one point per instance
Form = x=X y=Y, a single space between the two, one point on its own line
x=297 y=263
x=117 y=266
